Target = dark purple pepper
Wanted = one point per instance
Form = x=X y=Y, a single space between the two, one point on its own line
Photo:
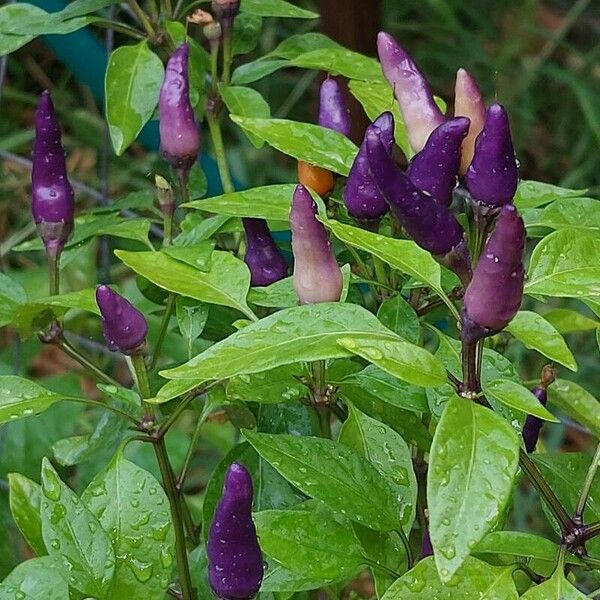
x=333 y=112
x=179 y=134
x=492 y=176
x=317 y=275
x=533 y=425
x=235 y=563
x=494 y=295
x=226 y=11
x=435 y=169
x=431 y=224
x=426 y=547
x=264 y=259
x=362 y=197
x=124 y=326
x=53 y=204
x=419 y=110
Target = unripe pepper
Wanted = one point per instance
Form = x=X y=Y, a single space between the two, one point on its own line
x=419 y=110
x=53 y=203
x=492 y=176
x=124 y=326
x=317 y=275
x=533 y=425
x=468 y=102
x=264 y=259
x=494 y=295
x=235 y=564
x=434 y=170
x=316 y=178
x=333 y=112
x=179 y=134
x=362 y=197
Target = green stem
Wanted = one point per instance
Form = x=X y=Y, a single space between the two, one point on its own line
x=53 y=271
x=168 y=8
x=591 y=531
x=410 y=559
x=113 y=409
x=121 y=28
x=142 y=17
x=469 y=367
x=141 y=374
x=164 y=327
x=382 y=568
x=380 y=272
x=214 y=67
x=217 y=140
x=585 y=491
x=227 y=57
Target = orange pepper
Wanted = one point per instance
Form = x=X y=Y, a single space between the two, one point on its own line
x=316 y=178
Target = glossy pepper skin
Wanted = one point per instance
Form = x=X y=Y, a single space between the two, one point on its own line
x=533 y=425
x=333 y=112
x=426 y=547
x=362 y=197
x=235 y=564
x=468 y=102
x=264 y=259
x=492 y=176
x=317 y=275
x=316 y=178
x=53 y=203
x=179 y=134
x=124 y=326
x=434 y=170
x=494 y=295
x=419 y=110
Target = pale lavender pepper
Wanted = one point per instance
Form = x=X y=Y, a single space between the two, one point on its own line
x=264 y=259
x=235 y=563
x=123 y=325
x=333 y=112
x=317 y=275
x=179 y=134
x=53 y=204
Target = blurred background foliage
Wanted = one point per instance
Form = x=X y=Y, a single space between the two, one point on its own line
x=538 y=57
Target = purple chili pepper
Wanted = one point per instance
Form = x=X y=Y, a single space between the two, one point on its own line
x=179 y=134
x=434 y=170
x=362 y=197
x=492 y=176
x=333 y=112
x=235 y=564
x=533 y=425
x=468 y=102
x=419 y=110
x=264 y=259
x=317 y=275
x=226 y=11
x=124 y=326
x=426 y=547
x=53 y=203
x=494 y=295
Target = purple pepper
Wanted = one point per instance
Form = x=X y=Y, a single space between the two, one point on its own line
x=468 y=102
x=226 y=11
x=235 y=563
x=124 y=326
x=362 y=197
x=533 y=425
x=179 y=134
x=333 y=112
x=264 y=259
x=317 y=275
x=419 y=110
x=492 y=176
x=494 y=295
x=53 y=204
x=426 y=547
x=434 y=170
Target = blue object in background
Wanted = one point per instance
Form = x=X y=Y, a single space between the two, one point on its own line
x=85 y=56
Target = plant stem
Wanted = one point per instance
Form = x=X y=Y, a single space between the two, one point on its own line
x=142 y=17
x=217 y=140
x=53 y=271
x=99 y=404
x=121 y=28
x=541 y=485
x=410 y=560
x=382 y=568
x=380 y=273
x=585 y=491
x=227 y=57
x=214 y=67
x=591 y=531
x=469 y=367
x=168 y=8
x=164 y=327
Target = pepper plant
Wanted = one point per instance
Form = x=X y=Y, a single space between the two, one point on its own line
x=373 y=428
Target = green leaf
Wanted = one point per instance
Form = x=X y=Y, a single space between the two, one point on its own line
x=268 y=387
x=284 y=582
x=74 y=535
x=246 y=102
x=198 y=255
x=516 y=396
x=311 y=540
x=403 y=255
x=246 y=33
x=388 y=453
x=566 y=264
x=255 y=70
x=276 y=8
x=335 y=474
x=576 y=213
x=133 y=79
x=132 y=506
x=35 y=579
x=531 y=194
x=301 y=43
x=280 y=294
x=538 y=334
x=304 y=141
x=569 y=321
x=399 y=316
x=340 y=61
x=191 y=319
x=226 y=283
x=475 y=579
x=268 y=202
x=25 y=508
x=302 y=333
x=401 y=359
x=473 y=462
x=577 y=403
x=556 y=588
